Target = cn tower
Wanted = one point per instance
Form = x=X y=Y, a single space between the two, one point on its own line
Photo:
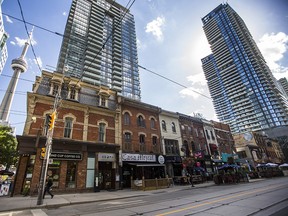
x=19 y=65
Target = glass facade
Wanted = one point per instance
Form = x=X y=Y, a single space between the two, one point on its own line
x=245 y=93
x=99 y=46
x=3 y=42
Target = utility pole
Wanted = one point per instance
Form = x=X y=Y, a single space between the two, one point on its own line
x=52 y=118
x=48 y=145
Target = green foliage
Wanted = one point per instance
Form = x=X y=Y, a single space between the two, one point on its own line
x=8 y=147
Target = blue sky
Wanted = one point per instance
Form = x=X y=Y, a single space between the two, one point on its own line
x=170 y=41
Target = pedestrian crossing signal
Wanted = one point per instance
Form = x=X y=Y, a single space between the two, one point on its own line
x=43 y=152
x=51 y=120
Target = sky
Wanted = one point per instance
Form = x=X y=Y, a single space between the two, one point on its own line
x=170 y=41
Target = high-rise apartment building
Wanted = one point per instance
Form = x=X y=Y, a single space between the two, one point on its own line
x=3 y=40
x=245 y=93
x=99 y=46
x=284 y=85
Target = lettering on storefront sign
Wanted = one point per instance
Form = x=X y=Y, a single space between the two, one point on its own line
x=66 y=156
x=138 y=157
x=106 y=157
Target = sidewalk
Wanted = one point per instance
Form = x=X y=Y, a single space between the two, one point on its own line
x=21 y=202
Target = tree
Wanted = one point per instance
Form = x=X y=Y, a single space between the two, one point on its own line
x=8 y=147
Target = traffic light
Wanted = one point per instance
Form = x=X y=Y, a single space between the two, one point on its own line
x=51 y=120
x=43 y=152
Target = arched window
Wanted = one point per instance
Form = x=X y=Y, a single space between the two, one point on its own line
x=140 y=121
x=152 y=123
x=142 y=143
x=173 y=127
x=68 y=127
x=126 y=118
x=164 y=125
x=127 y=141
x=102 y=132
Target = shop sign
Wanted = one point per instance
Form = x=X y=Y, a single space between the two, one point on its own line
x=106 y=157
x=161 y=159
x=65 y=156
x=138 y=157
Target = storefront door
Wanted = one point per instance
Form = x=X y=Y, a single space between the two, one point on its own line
x=106 y=176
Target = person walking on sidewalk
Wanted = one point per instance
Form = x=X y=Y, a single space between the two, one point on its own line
x=48 y=187
x=190 y=179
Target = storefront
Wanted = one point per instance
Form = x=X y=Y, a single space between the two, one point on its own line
x=141 y=166
x=74 y=166
x=173 y=166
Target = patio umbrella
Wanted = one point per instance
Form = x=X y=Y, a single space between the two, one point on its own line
x=284 y=165
x=271 y=164
x=227 y=166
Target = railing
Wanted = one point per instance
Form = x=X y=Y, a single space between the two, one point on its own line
x=151 y=184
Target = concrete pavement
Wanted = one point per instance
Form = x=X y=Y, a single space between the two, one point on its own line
x=22 y=203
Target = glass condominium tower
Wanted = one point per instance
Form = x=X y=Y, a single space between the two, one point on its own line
x=99 y=46
x=245 y=93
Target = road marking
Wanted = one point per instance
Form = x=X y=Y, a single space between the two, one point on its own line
x=215 y=201
x=38 y=212
x=121 y=202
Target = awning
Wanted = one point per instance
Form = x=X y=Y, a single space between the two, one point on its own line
x=146 y=164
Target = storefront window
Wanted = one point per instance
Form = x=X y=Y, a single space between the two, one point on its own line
x=90 y=172
x=54 y=172
x=71 y=174
x=28 y=177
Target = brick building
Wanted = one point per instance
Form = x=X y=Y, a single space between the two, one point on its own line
x=141 y=155
x=85 y=144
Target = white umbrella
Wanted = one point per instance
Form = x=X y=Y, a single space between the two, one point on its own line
x=284 y=165
x=271 y=164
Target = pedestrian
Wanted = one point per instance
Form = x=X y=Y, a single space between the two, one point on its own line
x=48 y=187
x=191 y=178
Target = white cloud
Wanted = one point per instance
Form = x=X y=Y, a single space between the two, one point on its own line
x=8 y=19
x=155 y=27
x=197 y=79
x=191 y=92
x=273 y=47
x=64 y=13
x=20 y=42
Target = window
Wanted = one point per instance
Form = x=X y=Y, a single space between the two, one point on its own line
x=142 y=143
x=183 y=129
x=173 y=127
x=73 y=94
x=103 y=101
x=127 y=141
x=68 y=127
x=212 y=135
x=71 y=174
x=102 y=132
x=190 y=130
x=171 y=147
x=193 y=146
x=126 y=118
x=152 y=123
x=164 y=125
x=154 y=140
x=196 y=132
x=207 y=134
x=55 y=89
x=140 y=121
